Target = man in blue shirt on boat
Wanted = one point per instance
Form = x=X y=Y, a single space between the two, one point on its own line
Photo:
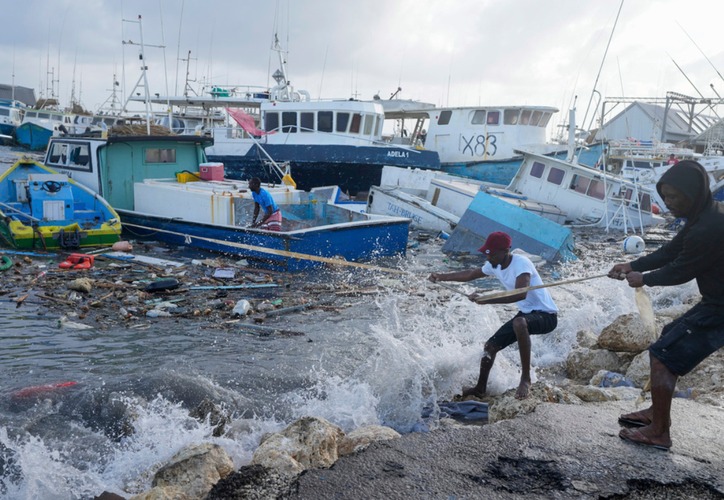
x=272 y=218
x=538 y=314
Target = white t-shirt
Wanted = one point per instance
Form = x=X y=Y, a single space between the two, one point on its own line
x=536 y=300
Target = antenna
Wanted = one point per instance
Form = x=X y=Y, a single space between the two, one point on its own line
x=165 y=69
x=702 y=52
x=595 y=84
x=324 y=66
x=178 y=48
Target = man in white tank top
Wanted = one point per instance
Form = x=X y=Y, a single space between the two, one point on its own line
x=538 y=313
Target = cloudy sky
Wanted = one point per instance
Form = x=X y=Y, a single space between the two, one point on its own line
x=452 y=52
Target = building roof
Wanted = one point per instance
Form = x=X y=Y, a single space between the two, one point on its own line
x=677 y=120
x=23 y=94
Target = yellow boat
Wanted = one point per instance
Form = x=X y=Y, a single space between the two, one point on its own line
x=42 y=208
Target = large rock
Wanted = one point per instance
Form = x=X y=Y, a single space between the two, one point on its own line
x=587 y=339
x=361 y=438
x=162 y=493
x=583 y=364
x=308 y=442
x=591 y=394
x=639 y=370
x=217 y=417
x=195 y=469
x=627 y=333
x=669 y=314
x=251 y=482
x=506 y=406
x=707 y=377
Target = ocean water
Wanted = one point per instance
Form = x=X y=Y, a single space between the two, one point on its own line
x=380 y=360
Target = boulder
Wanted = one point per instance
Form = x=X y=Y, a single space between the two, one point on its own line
x=639 y=370
x=308 y=442
x=251 y=482
x=107 y=495
x=81 y=285
x=361 y=438
x=707 y=377
x=162 y=493
x=627 y=333
x=582 y=364
x=218 y=418
x=587 y=339
x=591 y=394
x=195 y=469
x=506 y=406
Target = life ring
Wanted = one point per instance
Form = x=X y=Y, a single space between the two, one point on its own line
x=6 y=263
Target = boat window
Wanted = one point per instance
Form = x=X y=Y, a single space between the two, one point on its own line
x=493 y=117
x=444 y=117
x=377 y=127
x=56 y=118
x=78 y=156
x=369 y=120
x=325 y=121
x=545 y=119
x=597 y=190
x=289 y=122
x=306 y=122
x=642 y=164
x=580 y=184
x=510 y=117
x=342 y=121
x=4 y=112
x=271 y=121
x=57 y=153
x=537 y=169
x=43 y=115
x=525 y=117
x=478 y=117
x=161 y=155
x=646 y=203
x=555 y=176
x=109 y=121
x=629 y=163
x=535 y=118
x=356 y=123
x=30 y=114
x=656 y=164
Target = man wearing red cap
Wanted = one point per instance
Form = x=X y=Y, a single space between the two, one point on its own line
x=538 y=314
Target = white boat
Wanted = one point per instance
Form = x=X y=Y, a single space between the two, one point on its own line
x=588 y=196
x=646 y=161
x=435 y=201
x=481 y=142
x=328 y=142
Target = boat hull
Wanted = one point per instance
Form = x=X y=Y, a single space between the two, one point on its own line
x=529 y=232
x=70 y=217
x=503 y=171
x=32 y=136
x=352 y=168
x=352 y=241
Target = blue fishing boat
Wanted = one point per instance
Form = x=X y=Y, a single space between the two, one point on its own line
x=41 y=208
x=156 y=186
x=39 y=125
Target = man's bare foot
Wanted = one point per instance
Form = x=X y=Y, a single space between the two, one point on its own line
x=473 y=391
x=523 y=391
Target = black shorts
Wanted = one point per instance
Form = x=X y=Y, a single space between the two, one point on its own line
x=688 y=340
x=539 y=322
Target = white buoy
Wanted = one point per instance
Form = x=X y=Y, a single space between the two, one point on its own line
x=633 y=244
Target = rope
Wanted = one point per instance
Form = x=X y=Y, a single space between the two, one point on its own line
x=271 y=251
x=516 y=291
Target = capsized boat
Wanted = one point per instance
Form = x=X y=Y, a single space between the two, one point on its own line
x=41 y=208
x=158 y=185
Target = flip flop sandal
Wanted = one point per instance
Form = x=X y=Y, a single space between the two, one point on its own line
x=637 y=423
x=642 y=440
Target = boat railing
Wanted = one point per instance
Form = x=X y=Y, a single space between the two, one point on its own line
x=237 y=133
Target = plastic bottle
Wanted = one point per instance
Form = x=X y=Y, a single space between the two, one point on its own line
x=242 y=307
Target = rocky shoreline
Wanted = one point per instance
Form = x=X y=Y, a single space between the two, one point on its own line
x=562 y=442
